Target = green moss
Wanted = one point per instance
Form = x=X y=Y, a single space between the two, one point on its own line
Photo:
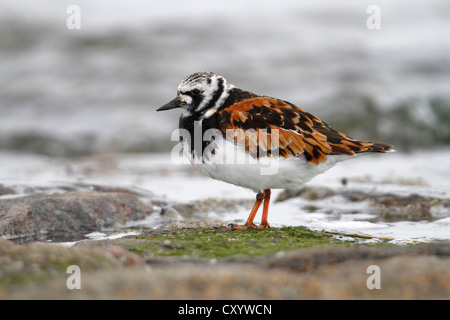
x=216 y=243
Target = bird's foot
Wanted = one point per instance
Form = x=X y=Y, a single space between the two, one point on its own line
x=264 y=225
x=246 y=226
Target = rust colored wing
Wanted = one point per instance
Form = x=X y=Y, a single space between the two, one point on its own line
x=266 y=126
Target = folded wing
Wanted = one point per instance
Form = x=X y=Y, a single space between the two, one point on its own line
x=266 y=126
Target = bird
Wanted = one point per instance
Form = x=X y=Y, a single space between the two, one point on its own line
x=256 y=141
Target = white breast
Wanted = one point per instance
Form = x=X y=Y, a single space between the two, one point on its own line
x=223 y=160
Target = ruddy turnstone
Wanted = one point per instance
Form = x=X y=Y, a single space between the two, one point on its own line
x=256 y=141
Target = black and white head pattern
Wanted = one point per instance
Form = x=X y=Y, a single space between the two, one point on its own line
x=203 y=93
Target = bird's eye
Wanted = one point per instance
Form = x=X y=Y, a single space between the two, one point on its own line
x=196 y=91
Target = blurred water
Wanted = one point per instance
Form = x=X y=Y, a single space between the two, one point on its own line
x=71 y=92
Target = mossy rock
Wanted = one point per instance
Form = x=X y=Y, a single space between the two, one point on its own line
x=216 y=242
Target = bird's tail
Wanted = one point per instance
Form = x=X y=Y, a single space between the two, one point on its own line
x=351 y=147
x=378 y=147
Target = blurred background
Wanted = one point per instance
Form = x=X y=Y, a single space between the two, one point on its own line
x=95 y=90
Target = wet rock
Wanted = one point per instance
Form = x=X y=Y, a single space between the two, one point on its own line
x=5 y=190
x=387 y=206
x=68 y=213
x=411 y=208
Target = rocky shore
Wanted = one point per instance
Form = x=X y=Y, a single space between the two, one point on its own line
x=196 y=257
x=109 y=271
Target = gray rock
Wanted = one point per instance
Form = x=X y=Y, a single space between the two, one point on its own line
x=70 y=213
x=388 y=207
x=5 y=190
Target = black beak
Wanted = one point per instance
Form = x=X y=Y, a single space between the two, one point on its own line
x=175 y=103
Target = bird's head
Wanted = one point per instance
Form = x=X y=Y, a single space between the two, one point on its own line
x=200 y=92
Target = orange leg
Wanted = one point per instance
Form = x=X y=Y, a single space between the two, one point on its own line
x=265 y=214
x=249 y=223
x=259 y=199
